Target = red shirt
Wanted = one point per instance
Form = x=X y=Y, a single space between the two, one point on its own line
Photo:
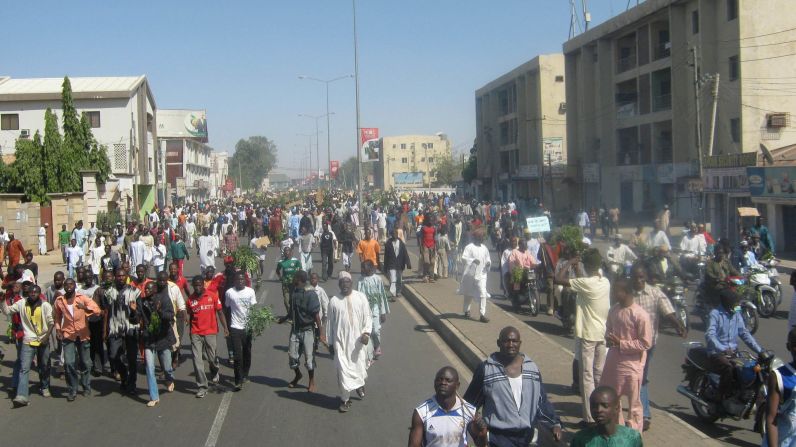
x=428 y=236
x=202 y=310
x=182 y=283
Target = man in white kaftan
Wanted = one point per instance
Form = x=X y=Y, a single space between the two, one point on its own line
x=207 y=246
x=350 y=323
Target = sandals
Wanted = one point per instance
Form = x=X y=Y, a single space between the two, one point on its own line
x=152 y=403
x=170 y=387
x=361 y=392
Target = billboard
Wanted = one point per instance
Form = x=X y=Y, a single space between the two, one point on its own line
x=777 y=181
x=334 y=166
x=182 y=124
x=370 y=143
x=555 y=160
x=407 y=178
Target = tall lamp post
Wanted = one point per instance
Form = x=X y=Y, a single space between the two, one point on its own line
x=317 y=145
x=356 y=83
x=328 y=133
x=309 y=149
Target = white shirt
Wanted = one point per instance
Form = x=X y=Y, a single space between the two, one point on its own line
x=695 y=244
x=74 y=255
x=533 y=248
x=159 y=255
x=42 y=232
x=621 y=254
x=137 y=249
x=658 y=239
x=239 y=302
x=516 y=389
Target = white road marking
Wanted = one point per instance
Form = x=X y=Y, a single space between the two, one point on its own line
x=221 y=414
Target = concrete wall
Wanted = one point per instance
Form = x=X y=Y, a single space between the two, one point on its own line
x=20 y=218
x=392 y=159
x=67 y=209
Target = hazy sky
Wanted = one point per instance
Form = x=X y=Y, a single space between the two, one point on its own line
x=420 y=60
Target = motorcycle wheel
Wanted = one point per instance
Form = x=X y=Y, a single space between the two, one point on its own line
x=750 y=319
x=767 y=304
x=682 y=315
x=533 y=301
x=709 y=413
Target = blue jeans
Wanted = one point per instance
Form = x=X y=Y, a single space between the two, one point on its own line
x=42 y=354
x=645 y=396
x=74 y=350
x=151 y=378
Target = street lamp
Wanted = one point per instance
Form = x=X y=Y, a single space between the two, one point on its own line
x=317 y=146
x=309 y=148
x=328 y=133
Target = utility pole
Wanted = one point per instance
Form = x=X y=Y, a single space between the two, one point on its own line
x=715 y=93
x=240 y=178
x=700 y=152
x=356 y=82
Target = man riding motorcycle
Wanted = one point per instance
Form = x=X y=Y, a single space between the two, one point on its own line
x=661 y=266
x=717 y=274
x=725 y=327
x=692 y=245
x=619 y=253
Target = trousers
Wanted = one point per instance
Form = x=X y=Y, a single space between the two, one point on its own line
x=74 y=351
x=242 y=347
x=203 y=344
x=592 y=360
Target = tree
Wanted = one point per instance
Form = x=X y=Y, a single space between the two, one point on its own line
x=446 y=172
x=470 y=169
x=25 y=174
x=96 y=154
x=254 y=158
x=348 y=174
x=51 y=152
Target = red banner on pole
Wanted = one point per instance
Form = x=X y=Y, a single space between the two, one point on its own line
x=370 y=143
x=334 y=166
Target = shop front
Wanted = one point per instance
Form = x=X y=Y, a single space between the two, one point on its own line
x=775 y=188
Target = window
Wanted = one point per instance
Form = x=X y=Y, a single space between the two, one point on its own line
x=735 y=130
x=431 y=159
x=404 y=160
x=9 y=121
x=393 y=146
x=403 y=145
x=422 y=159
x=93 y=119
x=777 y=120
x=695 y=22
x=559 y=78
x=732 y=9
x=734 y=68
x=431 y=145
x=120 y=156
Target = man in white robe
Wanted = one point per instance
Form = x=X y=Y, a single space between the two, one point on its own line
x=350 y=323
x=207 y=246
x=43 y=239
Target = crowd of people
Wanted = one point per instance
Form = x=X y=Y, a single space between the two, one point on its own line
x=105 y=314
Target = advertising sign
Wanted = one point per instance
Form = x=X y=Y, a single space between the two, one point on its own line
x=538 y=224
x=772 y=182
x=371 y=145
x=407 y=178
x=527 y=172
x=334 y=166
x=229 y=185
x=727 y=180
x=179 y=184
x=182 y=124
x=554 y=158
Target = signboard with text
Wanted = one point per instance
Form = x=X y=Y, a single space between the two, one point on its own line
x=539 y=224
x=370 y=143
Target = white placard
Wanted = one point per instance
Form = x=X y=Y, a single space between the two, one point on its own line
x=538 y=224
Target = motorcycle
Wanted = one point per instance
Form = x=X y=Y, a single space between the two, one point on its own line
x=773 y=276
x=758 y=288
x=525 y=291
x=750 y=391
x=703 y=305
x=617 y=270
x=693 y=265
x=675 y=289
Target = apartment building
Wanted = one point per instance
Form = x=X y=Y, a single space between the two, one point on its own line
x=521 y=138
x=410 y=161
x=219 y=170
x=183 y=138
x=632 y=109
x=122 y=112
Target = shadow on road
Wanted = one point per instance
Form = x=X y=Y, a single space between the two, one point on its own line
x=718 y=430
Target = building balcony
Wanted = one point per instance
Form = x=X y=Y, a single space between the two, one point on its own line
x=626 y=63
x=661 y=103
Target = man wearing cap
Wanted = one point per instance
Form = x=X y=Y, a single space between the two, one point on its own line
x=620 y=253
x=658 y=236
x=43 y=239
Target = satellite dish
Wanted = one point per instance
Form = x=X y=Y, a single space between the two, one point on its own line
x=766 y=154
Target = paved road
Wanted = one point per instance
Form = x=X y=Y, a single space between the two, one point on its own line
x=266 y=412
x=669 y=355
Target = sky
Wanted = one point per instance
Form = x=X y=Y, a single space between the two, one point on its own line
x=420 y=60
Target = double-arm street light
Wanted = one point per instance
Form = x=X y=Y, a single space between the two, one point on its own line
x=328 y=133
x=317 y=145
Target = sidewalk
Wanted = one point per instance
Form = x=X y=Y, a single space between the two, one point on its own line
x=473 y=341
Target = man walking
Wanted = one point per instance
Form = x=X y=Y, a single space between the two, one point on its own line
x=305 y=314
x=122 y=335
x=63 y=241
x=396 y=259
x=373 y=288
x=328 y=246
x=71 y=324
x=43 y=239
x=285 y=270
x=350 y=324
x=305 y=242
x=508 y=386
x=239 y=300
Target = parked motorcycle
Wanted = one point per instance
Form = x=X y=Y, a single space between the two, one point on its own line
x=526 y=291
x=701 y=386
x=757 y=288
x=674 y=289
x=704 y=304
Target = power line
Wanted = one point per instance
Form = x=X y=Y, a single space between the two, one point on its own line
x=758 y=36
x=768 y=44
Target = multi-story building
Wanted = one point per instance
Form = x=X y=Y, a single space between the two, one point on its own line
x=521 y=139
x=219 y=170
x=410 y=161
x=633 y=112
x=122 y=113
x=183 y=138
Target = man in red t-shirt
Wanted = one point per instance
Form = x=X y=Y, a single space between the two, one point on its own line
x=428 y=246
x=204 y=309
x=177 y=279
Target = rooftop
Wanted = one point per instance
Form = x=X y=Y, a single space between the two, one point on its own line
x=31 y=89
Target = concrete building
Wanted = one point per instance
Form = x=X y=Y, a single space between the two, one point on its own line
x=122 y=112
x=183 y=137
x=219 y=170
x=631 y=100
x=410 y=161
x=520 y=127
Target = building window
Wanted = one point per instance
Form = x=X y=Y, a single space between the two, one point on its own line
x=431 y=145
x=735 y=68
x=422 y=159
x=735 y=130
x=404 y=160
x=120 y=156
x=695 y=22
x=393 y=146
x=9 y=121
x=732 y=9
x=93 y=119
x=150 y=165
x=559 y=78
x=403 y=145
x=431 y=159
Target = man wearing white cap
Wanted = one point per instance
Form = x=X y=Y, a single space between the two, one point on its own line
x=43 y=239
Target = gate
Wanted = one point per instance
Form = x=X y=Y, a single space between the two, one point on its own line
x=47 y=218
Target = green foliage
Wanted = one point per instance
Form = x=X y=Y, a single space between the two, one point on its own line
x=154 y=324
x=470 y=169
x=25 y=173
x=446 y=172
x=52 y=152
x=254 y=158
x=571 y=237
x=348 y=174
x=246 y=259
x=107 y=221
x=517 y=275
x=258 y=319
x=96 y=155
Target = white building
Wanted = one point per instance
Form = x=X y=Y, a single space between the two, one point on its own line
x=219 y=170
x=122 y=112
x=182 y=135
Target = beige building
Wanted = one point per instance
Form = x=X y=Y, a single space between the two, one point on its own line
x=631 y=107
x=409 y=161
x=521 y=125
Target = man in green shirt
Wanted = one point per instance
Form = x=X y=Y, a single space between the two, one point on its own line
x=606 y=432
x=179 y=253
x=285 y=270
x=63 y=240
